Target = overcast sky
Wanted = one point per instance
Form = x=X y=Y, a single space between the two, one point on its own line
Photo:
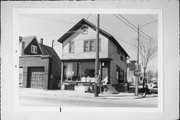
x=53 y=26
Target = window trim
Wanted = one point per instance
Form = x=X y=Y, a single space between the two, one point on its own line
x=71 y=46
x=87 y=45
x=88 y=40
x=34 y=49
x=91 y=50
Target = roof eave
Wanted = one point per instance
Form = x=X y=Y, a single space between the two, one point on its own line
x=80 y=24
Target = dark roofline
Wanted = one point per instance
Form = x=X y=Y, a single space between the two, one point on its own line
x=51 y=51
x=85 y=22
x=32 y=37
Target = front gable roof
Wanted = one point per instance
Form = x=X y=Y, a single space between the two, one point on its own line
x=29 y=39
x=45 y=50
x=101 y=31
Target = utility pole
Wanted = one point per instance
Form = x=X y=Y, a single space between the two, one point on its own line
x=137 y=77
x=96 y=92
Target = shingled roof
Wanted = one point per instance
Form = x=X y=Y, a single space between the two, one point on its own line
x=101 y=31
x=46 y=50
x=28 y=40
x=49 y=51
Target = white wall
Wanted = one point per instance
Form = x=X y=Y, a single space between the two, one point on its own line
x=79 y=53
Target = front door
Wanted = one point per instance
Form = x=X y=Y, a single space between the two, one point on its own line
x=105 y=72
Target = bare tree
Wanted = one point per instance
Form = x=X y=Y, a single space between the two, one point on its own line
x=156 y=75
x=148 y=50
x=150 y=74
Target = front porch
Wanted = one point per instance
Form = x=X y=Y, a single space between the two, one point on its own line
x=80 y=74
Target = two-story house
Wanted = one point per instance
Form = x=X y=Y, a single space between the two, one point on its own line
x=39 y=65
x=78 y=56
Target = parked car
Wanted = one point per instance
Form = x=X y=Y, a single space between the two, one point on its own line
x=153 y=87
x=150 y=88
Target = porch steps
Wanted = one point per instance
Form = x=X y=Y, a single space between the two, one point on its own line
x=111 y=89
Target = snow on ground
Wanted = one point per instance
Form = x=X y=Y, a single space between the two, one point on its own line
x=70 y=97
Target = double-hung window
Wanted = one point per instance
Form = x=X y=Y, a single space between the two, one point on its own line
x=34 y=49
x=71 y=47
x=86 y=46
x=90 y=45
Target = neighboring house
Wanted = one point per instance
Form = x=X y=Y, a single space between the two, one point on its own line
x=78 y=56
x=39 y=65
x=131 y=67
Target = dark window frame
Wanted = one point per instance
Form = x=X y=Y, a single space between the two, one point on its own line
x=122 y=58
x=121 y=76
x=89 y=47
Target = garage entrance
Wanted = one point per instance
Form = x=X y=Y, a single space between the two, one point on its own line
x=35 y=77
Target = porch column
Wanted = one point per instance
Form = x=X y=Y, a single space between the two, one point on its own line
x=62 y=75
x=77 y=70
x=100 y=71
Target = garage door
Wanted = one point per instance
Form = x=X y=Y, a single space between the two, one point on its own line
x=36 y=77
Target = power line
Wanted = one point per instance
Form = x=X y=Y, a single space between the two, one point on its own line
x=129 y=25
x=149 y=23
x=125 y=23
x=62 y=21
x=131 y=51
x=88 y=16
x=55 y=20
x=151 y=17
x=58 y=34
x=129 y=43
x=125 y=41
x=128 y=21
x=141 y=26
x=135 y=28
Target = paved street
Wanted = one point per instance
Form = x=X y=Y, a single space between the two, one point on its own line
x=38 y=97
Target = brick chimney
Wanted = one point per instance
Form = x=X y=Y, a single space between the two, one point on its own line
x=41 y=40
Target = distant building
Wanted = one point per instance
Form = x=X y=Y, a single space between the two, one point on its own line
x=39 y=65
x=78 y=57
x=131 y=67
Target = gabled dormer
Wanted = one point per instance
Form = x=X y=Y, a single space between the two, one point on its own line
x=30 y=46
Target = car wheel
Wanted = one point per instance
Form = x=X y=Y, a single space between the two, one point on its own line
x=144 y=94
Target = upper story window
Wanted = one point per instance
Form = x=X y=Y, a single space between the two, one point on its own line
x=118 y=51
x=89 y=45
x=92 y=45
x=86 y=46
x=122 y=58
x=71 y=47
x=34 y=49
